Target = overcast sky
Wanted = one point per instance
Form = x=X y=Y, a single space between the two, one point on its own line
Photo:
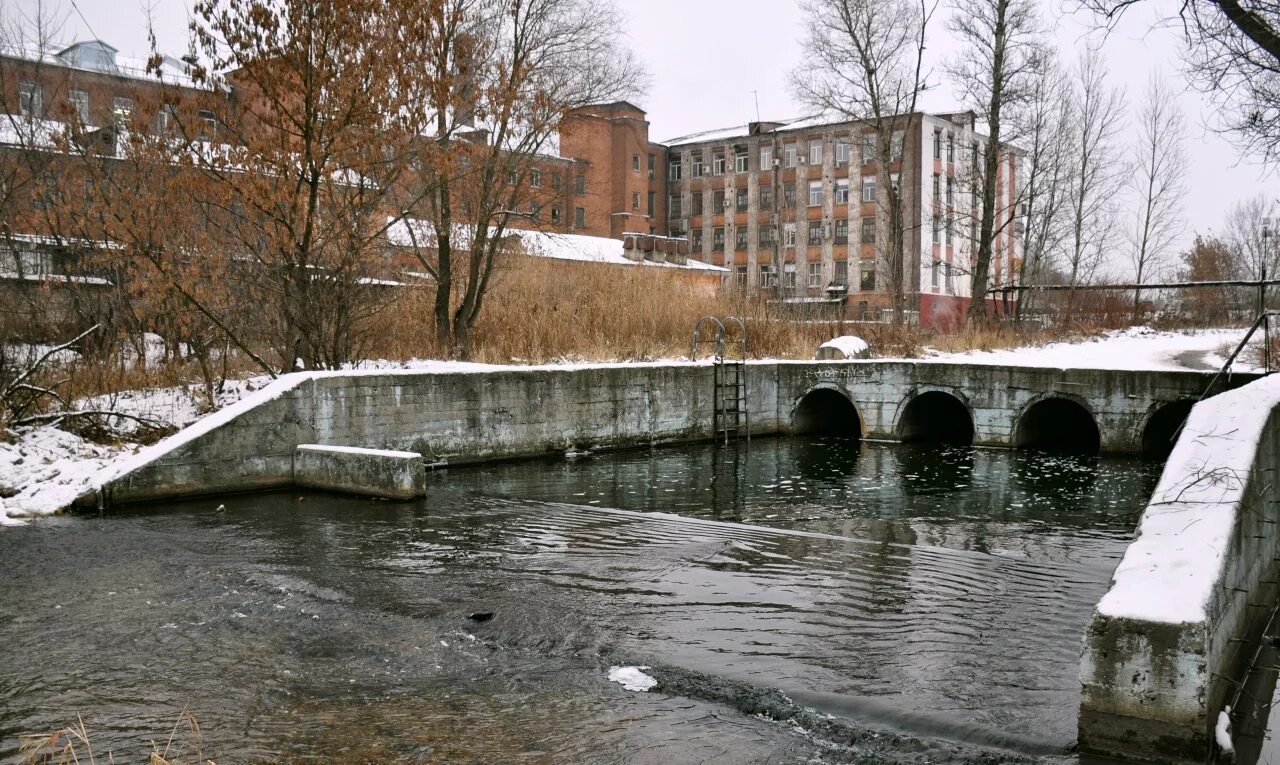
x=711 y=61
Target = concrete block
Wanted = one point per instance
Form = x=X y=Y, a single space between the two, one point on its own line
x=353 y=470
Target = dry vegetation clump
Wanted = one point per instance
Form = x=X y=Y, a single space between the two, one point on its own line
x=72 y=745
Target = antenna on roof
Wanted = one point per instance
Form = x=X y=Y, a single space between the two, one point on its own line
x=756 y=93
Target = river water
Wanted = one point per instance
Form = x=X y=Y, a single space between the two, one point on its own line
x=803 y=600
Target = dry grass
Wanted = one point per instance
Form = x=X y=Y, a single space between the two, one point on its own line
x=72 y=745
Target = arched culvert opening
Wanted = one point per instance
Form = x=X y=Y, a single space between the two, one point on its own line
x=1057 y=424
x=828 y=412
x=936 y=417
x=1163 y=427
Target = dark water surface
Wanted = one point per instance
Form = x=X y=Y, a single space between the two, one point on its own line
x=808 y=600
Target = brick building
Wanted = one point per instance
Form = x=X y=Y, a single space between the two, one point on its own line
x=801 y=194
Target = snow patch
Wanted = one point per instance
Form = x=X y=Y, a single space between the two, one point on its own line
x=632 y=678
x=850 y=346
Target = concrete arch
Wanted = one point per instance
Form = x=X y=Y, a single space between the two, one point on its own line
x=826 y=409
x=1057 y=423
x=1162 y=426
x=935 y=416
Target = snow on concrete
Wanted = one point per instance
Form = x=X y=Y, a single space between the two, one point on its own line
x=1134 y=348
x=1169 y=572
x=851 y=346
x=632 y=678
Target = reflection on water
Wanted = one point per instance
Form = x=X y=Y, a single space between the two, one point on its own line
x=935 y=591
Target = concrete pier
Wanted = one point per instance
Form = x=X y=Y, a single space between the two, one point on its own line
x=352 y=470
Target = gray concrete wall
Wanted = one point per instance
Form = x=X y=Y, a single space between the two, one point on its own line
x=1171 y=641
x=367 y=472
x=465 y=417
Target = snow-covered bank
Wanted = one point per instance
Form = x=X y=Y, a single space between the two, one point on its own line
x=1133 y=348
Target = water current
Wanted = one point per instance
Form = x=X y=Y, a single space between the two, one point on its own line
x=803 y=600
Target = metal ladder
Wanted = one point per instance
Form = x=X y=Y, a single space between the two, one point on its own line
x=731 y=417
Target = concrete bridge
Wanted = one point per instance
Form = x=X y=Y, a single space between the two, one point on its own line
x=473 y=416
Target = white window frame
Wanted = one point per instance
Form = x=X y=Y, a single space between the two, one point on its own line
x=815 y=152
x=30 y=100
x=788 y=235
x=79 y=100
x=789 y=155
x=868 y=189
x=815 y=275
x=842 y=152
x=766 y=156
x=842 y=191
x=815 y=193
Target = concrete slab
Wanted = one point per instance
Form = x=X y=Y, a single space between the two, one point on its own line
x=355 y=470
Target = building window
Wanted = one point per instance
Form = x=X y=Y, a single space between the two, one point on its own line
x=740 y=238
x=934 y=273
x=698 y=167
x=951 y=148
x=697 y=203
x=842 y=191
x=651 y=203
x=208 y=124
x=868 y=148
x=937 y=229
x=555 y=181
x=841 y=275
x=741 y=162
x=788 y=195
x=740 y=277
x=868 y=280
x=653 y=166
x=767 y=234
x=948 y=275
x=555 y=214
x=815 y=232
x=535 y=210
x=789 y=275
x=950 y=191
x=673 y=169
x=789 y=155
x=895 y=145
x=80 y=105
x=717 y=239
x=869 y=230
x=30 y=100
x=937 y=144
x=635 y=162
x=767 y=277
x=535 y=179
x=815 y=193
x=122 y=110
x=580 y=184
x=842 y=231
x=717 y=163
x=815 y=275
x=742 y=199
x=766 y=197
x=696 y=236
x=868 y=189
x=815 y=153
x=842 y=152
x=635 y=200
x=579 y=217
x=718 y=202
x=166 y=119
x=949 y=227
x=766 y=156
x=789 y=235
x=673 y=206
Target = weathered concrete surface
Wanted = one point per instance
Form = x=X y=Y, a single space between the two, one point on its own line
x=368 y=472
x=1172 y=639
x=462 y=417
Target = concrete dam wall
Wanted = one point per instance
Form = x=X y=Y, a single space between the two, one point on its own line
x=1171 y=641
x=473 y=416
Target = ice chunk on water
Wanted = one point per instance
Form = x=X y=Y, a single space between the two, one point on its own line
x=632 y=678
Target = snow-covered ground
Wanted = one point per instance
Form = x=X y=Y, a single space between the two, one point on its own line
x=43 y=469
x=1133 y=348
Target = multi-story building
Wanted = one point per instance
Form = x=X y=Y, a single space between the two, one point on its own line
x=803 y=195
x=794 y=205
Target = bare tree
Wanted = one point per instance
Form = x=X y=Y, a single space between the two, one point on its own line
x=1250 y=236
x=504 y=74
x=867 y=63
x=1098 y=170
x=995 y=72
x=1233 y=53
x=1157 y=183
x=1046 y=126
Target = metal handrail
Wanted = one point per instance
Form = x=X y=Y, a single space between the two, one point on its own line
x=1263 y=320
x=719 y=338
